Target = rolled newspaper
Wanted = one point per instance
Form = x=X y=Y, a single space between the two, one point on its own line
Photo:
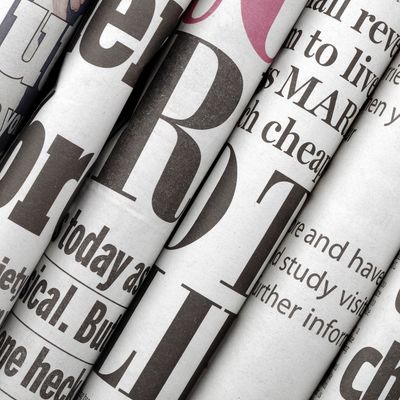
x=126 y=212
x=368 y=365
x=282 y=145
x=322 y=276
x=55 y=151
x=33 y=33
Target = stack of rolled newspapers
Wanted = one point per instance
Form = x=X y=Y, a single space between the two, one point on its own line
x=199 y=199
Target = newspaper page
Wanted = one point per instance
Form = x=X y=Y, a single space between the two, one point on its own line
x=55 y=151
x=368 y=365
x=127 y=210
x=322 y=276
x=281 y=147
x=33 y=33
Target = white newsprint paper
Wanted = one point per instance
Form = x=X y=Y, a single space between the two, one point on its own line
x=127 y=210
x=368 y=365
x=329 y=64
x=319 y=282
x=33 y=33
x=52 y=155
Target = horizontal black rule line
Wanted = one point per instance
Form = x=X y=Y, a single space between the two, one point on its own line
x=7 y=394
x=48 y=341
x=83 y=284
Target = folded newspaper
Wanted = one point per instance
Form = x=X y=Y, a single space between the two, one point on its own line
x=281 y=147
x=55 y=151
x=33 y=34
x=368 y=365
x=127 y=210
x=322 y=276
